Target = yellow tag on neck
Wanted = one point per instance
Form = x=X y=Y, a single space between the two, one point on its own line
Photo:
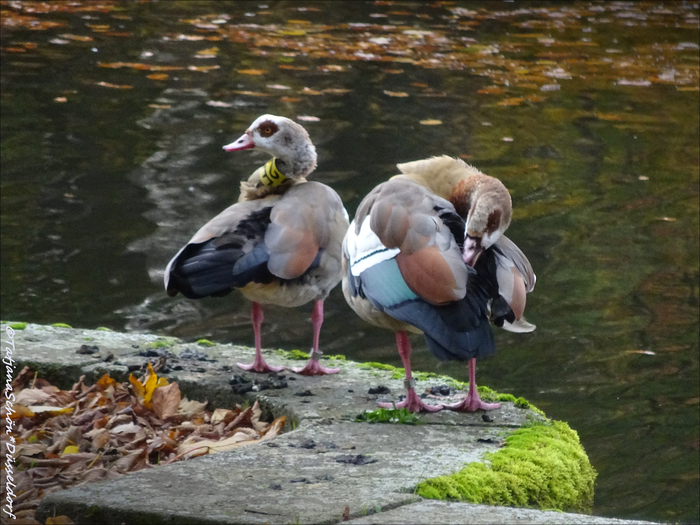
x=272 y=176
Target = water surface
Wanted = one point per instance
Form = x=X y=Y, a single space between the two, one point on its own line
x=114 y=114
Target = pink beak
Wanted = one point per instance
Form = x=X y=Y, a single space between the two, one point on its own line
x=244 y=142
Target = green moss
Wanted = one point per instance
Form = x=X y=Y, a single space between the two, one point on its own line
x=18 y=326
x=160 y=343
x=542 y=466
x=103 y=329
x=61 y=325
x=297 y=355
x=521 y=402
x=205 y=342
x=389 y=415
x=374 y=364
x=339 y=357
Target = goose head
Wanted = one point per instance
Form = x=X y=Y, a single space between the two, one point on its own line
x=485 y=205
x=282 y=138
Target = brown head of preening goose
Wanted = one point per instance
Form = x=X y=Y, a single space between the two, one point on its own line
x=408 y=265
x=280 y=244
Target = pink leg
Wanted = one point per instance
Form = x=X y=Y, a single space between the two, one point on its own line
x=313 y=368
x=259 y=364
x=412 y=402
x=472 y=402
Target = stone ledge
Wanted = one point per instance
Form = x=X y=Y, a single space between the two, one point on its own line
x=324 y=464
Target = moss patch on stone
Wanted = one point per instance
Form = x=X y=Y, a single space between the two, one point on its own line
x=103 y=329
x=160 y=343
x=205 y=342
x=297 y=355
x=61 y=325
x=542 y=466
x=18 y=326
x=373 y=364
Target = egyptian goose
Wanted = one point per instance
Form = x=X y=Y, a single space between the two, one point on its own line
x=279 y=244
x=426 y=253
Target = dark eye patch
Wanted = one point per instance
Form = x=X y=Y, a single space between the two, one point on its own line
x=267 y=128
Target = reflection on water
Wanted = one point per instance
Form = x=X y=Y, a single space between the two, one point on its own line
x=114 y=118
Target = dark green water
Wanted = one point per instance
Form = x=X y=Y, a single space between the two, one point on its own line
x=587 y=111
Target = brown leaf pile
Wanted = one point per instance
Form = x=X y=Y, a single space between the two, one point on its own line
x=89 y=433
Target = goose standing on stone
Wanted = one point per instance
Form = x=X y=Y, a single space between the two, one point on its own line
x=279 y=244
x=426 y=253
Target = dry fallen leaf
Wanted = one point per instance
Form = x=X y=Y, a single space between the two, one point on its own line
x=431 y=122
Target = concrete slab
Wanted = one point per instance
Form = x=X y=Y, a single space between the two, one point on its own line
x=429 y=512
x=324 y=464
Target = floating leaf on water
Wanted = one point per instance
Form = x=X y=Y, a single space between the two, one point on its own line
x=331 y=67
x=218 y=104
x=189 y=37
x=336 y=91
x=115 y=86
x=394 y=71
x=78 y=38
x=299 y=22
x=59 y=41
x=515 y=101
x=277 y=86
x=399 y=94
x=253 y=93
x=643 y=177
x=492 y=90
x=290 y=99
x=60 y=99
x=431 y=122
x=209 y=52
x=157 y=76
x=293 y=32
x=625 y=82
x=202 y=69
x=308 y=118
x=309 y=91
x=252 y=71
x=507 y=139
x=295 y=68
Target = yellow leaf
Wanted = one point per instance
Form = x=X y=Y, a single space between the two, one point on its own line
x=431 y=122
x=52 y=411
x=70 y=449
x=137 y=386
x=105 y=381
x=251 y=71
x=149 y=386
x=302 y=22
x=157 y=76
x=294 y=32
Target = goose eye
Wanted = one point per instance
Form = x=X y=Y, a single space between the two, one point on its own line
x=267 y=128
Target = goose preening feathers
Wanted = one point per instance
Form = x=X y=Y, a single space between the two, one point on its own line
x=279 y=244
x=426 y=253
